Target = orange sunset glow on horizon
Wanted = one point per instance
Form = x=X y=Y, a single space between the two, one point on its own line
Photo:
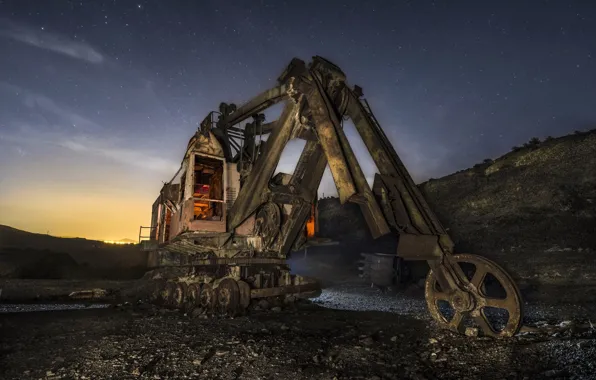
x=93 y=217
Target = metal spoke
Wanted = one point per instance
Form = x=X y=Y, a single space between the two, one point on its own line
x=440 y=296
x=484 y=324
x=478 y=277
x=456 y=320
x=501 y=303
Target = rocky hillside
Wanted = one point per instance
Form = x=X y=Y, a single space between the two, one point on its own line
x=532 y=210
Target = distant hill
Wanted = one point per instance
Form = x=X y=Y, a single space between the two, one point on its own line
x=11 y=237
x=22 y=251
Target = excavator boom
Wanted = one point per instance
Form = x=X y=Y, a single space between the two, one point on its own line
x=230 y=213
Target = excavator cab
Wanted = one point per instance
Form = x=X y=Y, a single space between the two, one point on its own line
x=208 y=192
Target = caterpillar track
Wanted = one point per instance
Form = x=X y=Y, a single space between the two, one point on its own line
x=230 y=296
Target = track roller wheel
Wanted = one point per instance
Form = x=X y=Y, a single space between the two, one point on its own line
x=244 y=290
x=179 y=296
x=227 y=300
x=491 y=303
x=206 y=297
x=193 y=294
x=157 y=293
x=168 y=294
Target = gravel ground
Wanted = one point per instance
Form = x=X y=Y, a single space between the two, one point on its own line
x=351 y=331
x=21 y=308
x=350 y=295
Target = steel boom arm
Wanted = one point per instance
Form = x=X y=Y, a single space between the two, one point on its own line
x=317 y=98
x=411 y=213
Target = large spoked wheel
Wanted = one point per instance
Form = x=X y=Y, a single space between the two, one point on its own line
x=491 y=302
x=228 y=297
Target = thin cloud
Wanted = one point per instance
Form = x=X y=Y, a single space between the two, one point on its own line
x=21 y=152
x=41 y=102
x=76 y=134
x=52 y=42
x=75 y=120
x=128 y=156
x=85 y=144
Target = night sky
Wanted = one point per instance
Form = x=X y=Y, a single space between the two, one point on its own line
x=99 y=98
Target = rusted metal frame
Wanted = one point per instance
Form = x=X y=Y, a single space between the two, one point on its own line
x=223 y=138
x=295 y=68
x=311 y=179
x=262 y=130
x=178 y=247
x=449 y=274
x=304 y=161
x=238 y=261
x=209 y=200
x=256 y=184
x=249 y=135
x=287 y=289
x=381 y=191
x=237 y=130
x=177 y=172
x=241 y=153
x=328 y=137
x=308 y=182
x=145 y=227
x=404 y=206
x=268 y=127
x=446 y=275
x=385 y=156
x=170 y=205
x=327 y=67
x=389 y=164
x=218 y=239
x=307 y=135
x=293 y=226
x=328 y=123
x=235 y=136
x=471 y=301
x=369 y=206
x=208 y=123
x=418 y=247
x=283 y=197
x=257 y=104
x=235 y=145
x=306 y=129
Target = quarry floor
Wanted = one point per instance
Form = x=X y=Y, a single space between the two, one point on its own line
x=331 y=338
